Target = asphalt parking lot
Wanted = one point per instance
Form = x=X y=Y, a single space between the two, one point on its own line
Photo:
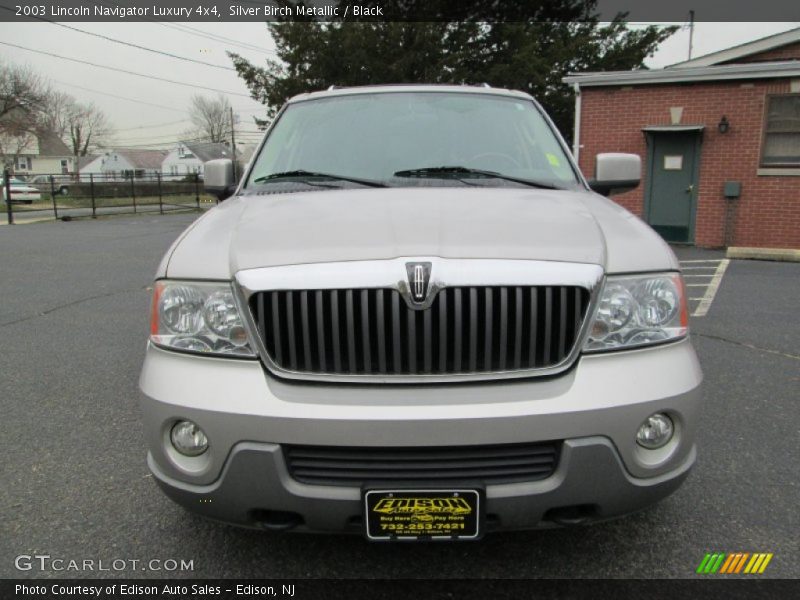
x=73 y=323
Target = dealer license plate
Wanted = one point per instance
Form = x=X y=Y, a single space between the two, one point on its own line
x=420 y=514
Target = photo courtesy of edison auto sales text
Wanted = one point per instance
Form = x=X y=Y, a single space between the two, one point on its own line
x=125 y=589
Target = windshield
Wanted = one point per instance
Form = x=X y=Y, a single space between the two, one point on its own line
x=399 y=138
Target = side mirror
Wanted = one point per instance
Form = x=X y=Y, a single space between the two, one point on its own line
x=218 y=178
x=615 y=172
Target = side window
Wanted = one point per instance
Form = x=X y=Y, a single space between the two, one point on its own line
x=781 y=147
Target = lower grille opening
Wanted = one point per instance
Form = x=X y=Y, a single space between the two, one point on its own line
x=572 y=515
x=448 y=465
x=276 y=520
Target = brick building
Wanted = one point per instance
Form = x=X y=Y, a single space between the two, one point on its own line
x=719 y=138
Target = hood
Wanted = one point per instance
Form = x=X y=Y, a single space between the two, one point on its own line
x=370 y=224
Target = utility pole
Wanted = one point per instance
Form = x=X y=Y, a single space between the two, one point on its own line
x=691 y=32
x=233 y=147
x=7 y=195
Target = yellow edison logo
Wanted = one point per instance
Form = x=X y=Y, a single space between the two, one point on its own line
x=734 y=563
x=423 y=506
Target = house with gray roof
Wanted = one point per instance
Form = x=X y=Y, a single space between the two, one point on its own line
x=189 y=157
x=36 y=154
x=125 y=163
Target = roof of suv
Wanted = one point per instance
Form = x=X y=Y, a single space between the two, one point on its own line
x=381 y=89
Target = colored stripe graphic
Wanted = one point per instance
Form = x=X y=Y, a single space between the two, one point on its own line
x=734 y=563
x=703 y=563
x=726 y=566
x=765 y=563
x=752 y=562
x=741 y=562
x=718 y=563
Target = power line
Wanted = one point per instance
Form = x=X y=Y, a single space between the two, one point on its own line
x=153 y=50
x=171 y=137
x=168 y=136
x=203 y=34
x=86 y=62
x=123 y=146
x=216 y=38
x=132 y=45
x=154 y=125
x=119 y=97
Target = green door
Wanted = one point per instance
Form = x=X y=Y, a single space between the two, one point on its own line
x=672 y=184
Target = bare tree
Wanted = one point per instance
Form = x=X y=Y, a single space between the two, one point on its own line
x=21 y=93
x=55 y=116
x=86 y=127
x=211 y=118
x=81 y=127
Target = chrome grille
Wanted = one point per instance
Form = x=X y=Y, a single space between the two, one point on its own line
x=498 y=464
x=465 y=330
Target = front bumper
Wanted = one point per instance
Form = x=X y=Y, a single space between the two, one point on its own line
x=596 y=408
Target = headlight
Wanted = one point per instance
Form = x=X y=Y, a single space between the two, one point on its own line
x=198 y=317
x=639 y=310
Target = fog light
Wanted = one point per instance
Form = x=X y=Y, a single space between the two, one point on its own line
x=655 y=432
x=188 y=438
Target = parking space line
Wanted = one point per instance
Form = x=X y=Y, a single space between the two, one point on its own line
x=716 y=260
x=713 y=286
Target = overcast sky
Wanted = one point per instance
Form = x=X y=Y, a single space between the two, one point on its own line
x=140 y=124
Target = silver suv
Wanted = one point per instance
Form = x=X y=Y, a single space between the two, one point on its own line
x=414 y=318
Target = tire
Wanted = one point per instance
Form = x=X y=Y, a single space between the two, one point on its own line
x=63 y=190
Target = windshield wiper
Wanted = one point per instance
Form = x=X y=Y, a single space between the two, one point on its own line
x=301 y=174
x=444 y=171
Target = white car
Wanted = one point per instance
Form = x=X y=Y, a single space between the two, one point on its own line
x=21 y=192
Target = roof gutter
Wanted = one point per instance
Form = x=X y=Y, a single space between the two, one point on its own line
x=770 y=70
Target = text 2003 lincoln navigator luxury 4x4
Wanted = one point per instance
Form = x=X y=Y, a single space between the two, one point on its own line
x=415 y=319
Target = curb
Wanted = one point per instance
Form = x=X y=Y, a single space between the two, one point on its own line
x=778 y=254
x=27 y=221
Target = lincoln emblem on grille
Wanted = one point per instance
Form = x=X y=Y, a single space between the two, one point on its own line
x=419 y=276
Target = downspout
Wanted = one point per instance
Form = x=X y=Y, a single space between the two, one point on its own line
x=576 y=130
